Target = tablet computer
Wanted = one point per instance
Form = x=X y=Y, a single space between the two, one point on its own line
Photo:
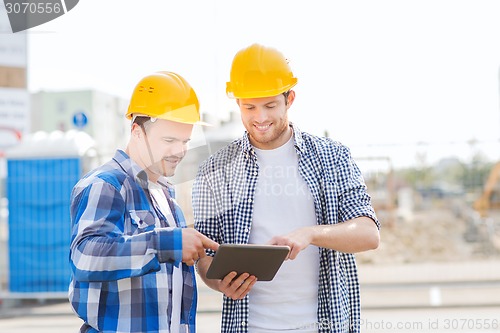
x=262 y=261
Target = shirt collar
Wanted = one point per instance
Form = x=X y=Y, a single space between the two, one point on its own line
x=298 y=138
x=135 y=171
x=163 y=181
x=128 y=165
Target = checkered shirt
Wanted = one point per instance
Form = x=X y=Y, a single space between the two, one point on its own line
x=223 y=195
x=122 y=262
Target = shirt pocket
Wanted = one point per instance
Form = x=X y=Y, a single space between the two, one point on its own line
x=142 y=220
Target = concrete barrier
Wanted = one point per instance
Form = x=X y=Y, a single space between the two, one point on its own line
x=447 y=284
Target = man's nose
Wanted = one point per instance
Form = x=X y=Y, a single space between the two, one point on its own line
x=179 y=149
x=260 y=115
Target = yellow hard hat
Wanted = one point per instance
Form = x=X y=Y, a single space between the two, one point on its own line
x=165 y=95
x=259 y=71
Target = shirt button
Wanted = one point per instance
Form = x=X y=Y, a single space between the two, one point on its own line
x=255 y=173
x=247 y=230
x=249 y=200
x=243 y=323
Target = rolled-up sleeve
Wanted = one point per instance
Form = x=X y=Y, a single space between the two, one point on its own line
x=169 y=245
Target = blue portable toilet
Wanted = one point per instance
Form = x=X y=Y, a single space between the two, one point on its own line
x=41 y=173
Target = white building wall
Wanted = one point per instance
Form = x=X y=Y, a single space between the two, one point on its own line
x=14 y=97
x=105 y=116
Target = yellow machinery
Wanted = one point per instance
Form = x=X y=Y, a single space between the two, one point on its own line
x=490 y=198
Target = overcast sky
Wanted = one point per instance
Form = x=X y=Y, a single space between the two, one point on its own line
x=371 y=73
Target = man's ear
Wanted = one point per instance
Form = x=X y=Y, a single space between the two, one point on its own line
x=136 y=131
x=291 y=97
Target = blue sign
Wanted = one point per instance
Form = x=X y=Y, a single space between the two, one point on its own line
x=80 y=119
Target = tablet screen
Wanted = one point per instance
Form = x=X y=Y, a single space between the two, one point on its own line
x=263 y=261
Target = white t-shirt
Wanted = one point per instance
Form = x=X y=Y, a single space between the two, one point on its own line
x=177 y=280
x=283 y=203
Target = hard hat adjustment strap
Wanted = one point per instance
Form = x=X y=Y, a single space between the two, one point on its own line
x=147 y=143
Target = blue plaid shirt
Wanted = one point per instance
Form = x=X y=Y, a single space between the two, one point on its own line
x=223 y=194
x=122 y=262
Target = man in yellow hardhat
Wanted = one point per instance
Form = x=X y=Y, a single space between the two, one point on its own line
x=279 y=185
x=131 y=254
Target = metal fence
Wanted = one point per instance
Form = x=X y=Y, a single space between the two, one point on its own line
x=35 y=227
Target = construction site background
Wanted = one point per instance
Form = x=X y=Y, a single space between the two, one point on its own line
x=437 y=247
